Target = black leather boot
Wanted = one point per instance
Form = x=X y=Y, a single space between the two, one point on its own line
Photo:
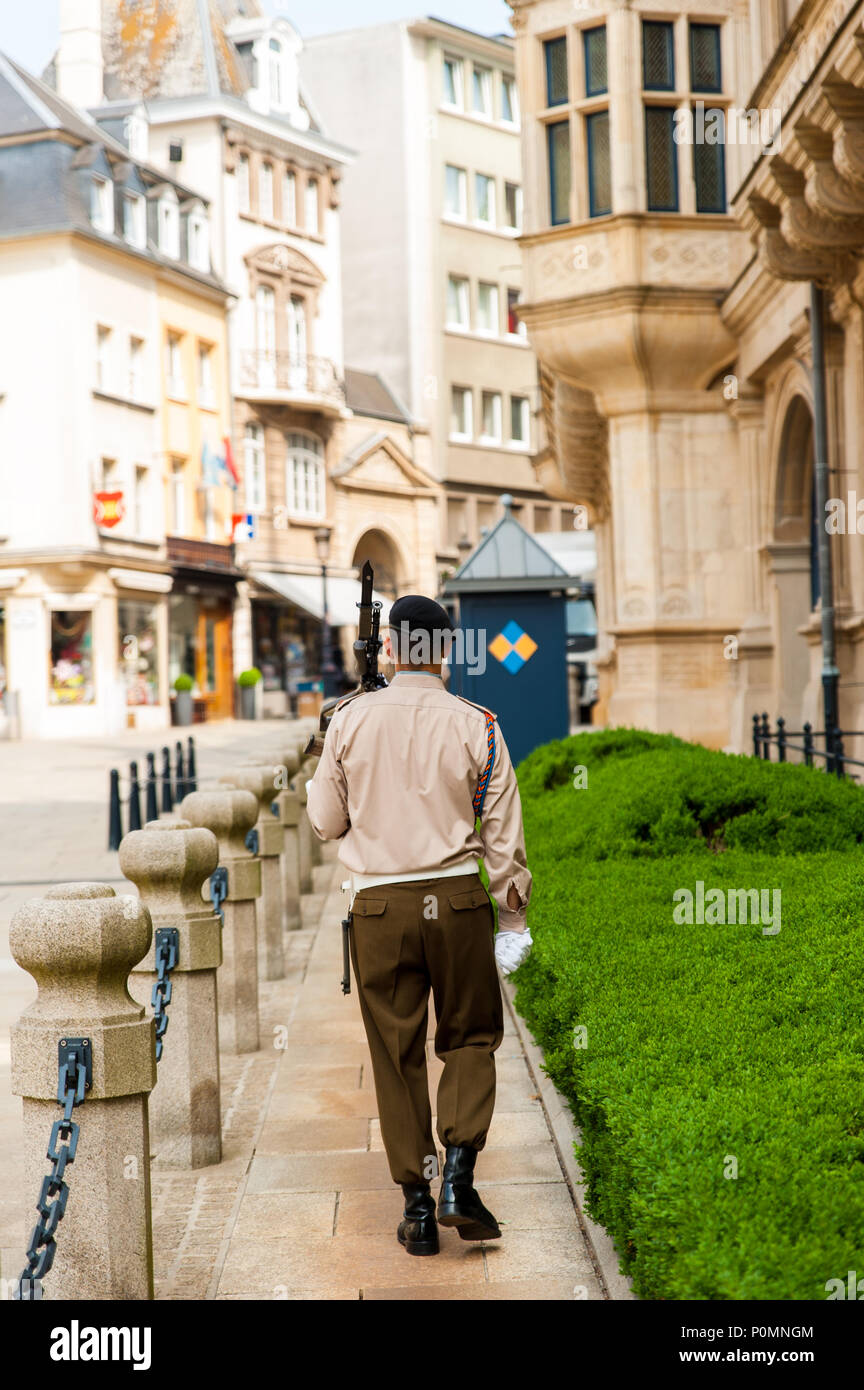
x=419 y=1230
x=458 y=1203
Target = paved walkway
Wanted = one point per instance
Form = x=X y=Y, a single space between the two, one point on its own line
x=302 y=1205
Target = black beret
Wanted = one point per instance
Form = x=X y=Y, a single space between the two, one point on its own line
x=420 y=613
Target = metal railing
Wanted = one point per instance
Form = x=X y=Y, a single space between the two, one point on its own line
x=286 y=372
x=816 y=746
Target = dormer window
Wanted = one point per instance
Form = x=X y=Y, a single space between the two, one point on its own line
x=135 y=135
x=198 y=233
x=169 y=226
x=102 y=205
x=135 y=220
x=277 y=96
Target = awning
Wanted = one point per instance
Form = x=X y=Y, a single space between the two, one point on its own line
x=305 y=591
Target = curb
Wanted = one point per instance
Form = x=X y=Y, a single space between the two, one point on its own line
x=617 y=1286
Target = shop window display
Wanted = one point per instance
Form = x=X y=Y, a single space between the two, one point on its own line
x=139 y=652
x=72 y=657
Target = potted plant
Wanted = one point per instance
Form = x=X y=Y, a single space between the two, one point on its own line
x=183 y=699
x=247 y=681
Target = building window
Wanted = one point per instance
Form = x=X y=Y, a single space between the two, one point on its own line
x=599 y=163
x=254 y=469
x=461 y=413
x=455 y=192
x=709 y=170
x=487 y=308
x=491 y=418
x=312 y=213
x=484 y=193
x=135 y=136
x=169 y=228
x=265 y=193
x=139 y=501
x=108 y=475
x=705 y=69
x=558 y=146
x=515 y=326
x=198 y=231
x=178 y=496
x=519 y=420
x=206 y=394
x=174 y=366
x=71 y=658
x=136 y=369
x=135 y=220
x=265 y=323
x=509 y=101
x=513 y=207
x=243 y=183
x=276 y=78
x=596 y=71
x=103 y=343
x=658 y=56
x=304 y=477
x=137 y=631
x=451 y=94
x=557 y=80
x=458 y=302
x=102 y=205
x=481 y=92
x=289 y=198
x=661 y=159
x=298 y=363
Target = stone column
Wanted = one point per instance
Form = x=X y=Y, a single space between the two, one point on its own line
x=305 y=835
x=79 y=943
x=168 y=865
x=261 y=782
x=231 y=815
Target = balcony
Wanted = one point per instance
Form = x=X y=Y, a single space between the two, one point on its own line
x=283 y=378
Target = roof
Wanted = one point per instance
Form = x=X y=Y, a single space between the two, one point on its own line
x=509 y=557
x=367 y=394
x=177 y=48
x=28 y=106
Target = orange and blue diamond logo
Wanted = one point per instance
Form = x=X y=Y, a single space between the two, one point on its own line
x=513 y=647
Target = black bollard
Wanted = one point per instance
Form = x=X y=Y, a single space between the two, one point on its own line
x=180 y=772
x=191 y=769
x=167 y=799
x=115 y=818
x=134 y=798
x=152 y=802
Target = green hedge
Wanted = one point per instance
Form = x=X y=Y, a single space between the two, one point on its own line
x=705 y=1043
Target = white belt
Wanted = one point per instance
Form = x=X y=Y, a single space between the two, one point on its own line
x=358 y=881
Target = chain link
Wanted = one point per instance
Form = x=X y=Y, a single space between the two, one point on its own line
x=167 y=945
x=73 y=1081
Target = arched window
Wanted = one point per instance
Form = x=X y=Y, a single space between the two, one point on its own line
x=304 y=476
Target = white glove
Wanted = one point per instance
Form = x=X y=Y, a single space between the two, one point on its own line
x=511 y=949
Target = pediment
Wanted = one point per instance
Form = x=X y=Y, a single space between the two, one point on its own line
x=287 y=260
x=380 y=465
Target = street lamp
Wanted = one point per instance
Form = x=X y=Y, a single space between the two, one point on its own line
x=328 y=667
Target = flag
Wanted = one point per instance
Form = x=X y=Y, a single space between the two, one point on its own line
x=230 y=466
x=210 y=466
x=108 y=508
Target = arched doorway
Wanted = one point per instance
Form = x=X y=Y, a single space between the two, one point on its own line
x=794 y=556
x=379 y=550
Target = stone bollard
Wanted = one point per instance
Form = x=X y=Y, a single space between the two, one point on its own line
x=305 y=835
x=231 y=815
x=168 y=862
x=288 y=804
x=79 y=943
x=261 y=782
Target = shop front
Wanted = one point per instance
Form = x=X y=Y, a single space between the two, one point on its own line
x=200 y=624
x=286 y=648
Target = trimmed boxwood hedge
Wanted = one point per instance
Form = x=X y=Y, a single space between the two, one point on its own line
x=707 y=1045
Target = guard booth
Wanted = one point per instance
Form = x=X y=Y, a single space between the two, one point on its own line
x=509 y=602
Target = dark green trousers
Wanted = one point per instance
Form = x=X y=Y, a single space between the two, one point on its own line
x=406 y=939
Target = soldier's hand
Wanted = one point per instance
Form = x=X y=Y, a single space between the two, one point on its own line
x=511 y=949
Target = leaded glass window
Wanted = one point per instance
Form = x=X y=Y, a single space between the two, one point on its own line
x=599 y=163
x=557 y=82
x=660 y=159
x=658 y=56
x=705 y=69
x=558 y=136
x=709 y=170
x=596 y=75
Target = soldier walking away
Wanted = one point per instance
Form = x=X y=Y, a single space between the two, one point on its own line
x=417 y=784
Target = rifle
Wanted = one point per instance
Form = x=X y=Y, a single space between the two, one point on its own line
x=367 y=645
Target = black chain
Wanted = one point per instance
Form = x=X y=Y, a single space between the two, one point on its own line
x=167 y=947
x=74 y=1078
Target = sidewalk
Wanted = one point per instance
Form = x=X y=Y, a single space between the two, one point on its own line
x=302 y=1205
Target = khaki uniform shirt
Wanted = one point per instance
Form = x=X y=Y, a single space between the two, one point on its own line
x=396 y=783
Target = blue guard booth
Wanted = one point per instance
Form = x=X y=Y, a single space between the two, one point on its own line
x=509 y=599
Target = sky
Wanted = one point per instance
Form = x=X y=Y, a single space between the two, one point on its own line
x=28 y=30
